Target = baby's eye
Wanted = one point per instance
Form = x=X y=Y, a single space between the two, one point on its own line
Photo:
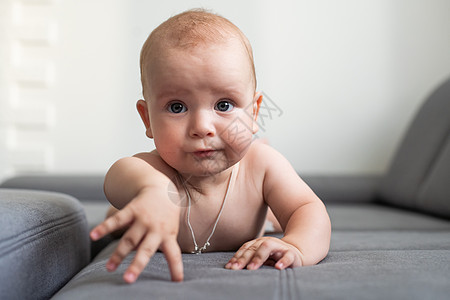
x=176 y=108
x=224 y=106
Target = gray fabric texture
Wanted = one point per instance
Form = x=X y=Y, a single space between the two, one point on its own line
x=344 y=188
x=83 y=187
x=88 y=189
x=434 y=193
x=43 y=243
x=360 y=265
x=366 y=216
x=419 y=176
x=95 y=212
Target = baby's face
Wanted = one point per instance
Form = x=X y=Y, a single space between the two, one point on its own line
x=202 y=107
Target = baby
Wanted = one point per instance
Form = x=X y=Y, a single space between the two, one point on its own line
x=208 y=185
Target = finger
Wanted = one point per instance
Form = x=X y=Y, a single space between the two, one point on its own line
x=145 y=251
x=238 y=260
x=273 y=258
x=111 y=224
x=261 y=255
x=127 y=243
x=245 y=247
x=285 y=261
x=172 y=252
x=247 y=256
x=270 y=262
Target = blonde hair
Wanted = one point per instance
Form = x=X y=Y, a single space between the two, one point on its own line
x=190 y=29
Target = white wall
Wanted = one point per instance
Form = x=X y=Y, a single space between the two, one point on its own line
x=347 y=75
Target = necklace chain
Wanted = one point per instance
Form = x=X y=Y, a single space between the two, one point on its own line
x=198 y=250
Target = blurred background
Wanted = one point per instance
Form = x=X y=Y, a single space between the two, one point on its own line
x=344 y=78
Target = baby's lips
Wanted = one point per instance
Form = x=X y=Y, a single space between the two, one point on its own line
x=204 y=153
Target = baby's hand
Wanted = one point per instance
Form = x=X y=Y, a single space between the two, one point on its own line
x=152 y=225
x=268 y=251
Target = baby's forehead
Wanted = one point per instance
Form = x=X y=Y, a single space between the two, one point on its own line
x=192 y=31
x=160 y=43
x=169 y=49
x=166 y=52
x=227 y=57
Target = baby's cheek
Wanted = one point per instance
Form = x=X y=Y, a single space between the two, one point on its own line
x=238 y=136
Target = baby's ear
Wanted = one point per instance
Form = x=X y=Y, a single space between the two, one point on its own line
x=257 y=99
x=142 y=108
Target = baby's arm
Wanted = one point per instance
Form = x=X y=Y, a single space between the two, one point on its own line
x=302 y=215
x=140 y=192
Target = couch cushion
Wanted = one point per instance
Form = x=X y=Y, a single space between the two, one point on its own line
x=83 y=187
x=420 y=171
x=390 y=240
x=408 y=269
x=368 y=216
x=344 y=188
x=95 y=212
x=377 y=252
x=434 y=192
x=43 y=242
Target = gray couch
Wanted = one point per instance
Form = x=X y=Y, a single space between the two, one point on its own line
x=390 y=240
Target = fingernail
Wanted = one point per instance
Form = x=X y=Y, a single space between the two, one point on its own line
x=235 y=265
x=129 y=277
x=228 y=265
x=94 y=235
x=251 y=266
x=110 y=266
x=280 y=265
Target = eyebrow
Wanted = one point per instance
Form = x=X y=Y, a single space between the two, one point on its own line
x=232 y=90
x=168 y=93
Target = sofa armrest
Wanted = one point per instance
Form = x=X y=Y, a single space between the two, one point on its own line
x=344 y=188
x=86 y=188
x=44 y=242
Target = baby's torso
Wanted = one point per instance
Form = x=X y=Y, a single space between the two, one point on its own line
x=242 y=217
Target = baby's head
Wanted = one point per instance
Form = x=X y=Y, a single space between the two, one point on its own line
x=188 y=30
x=198 y=81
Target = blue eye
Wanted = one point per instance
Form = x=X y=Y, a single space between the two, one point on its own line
x=176 y=108
x=224 y=106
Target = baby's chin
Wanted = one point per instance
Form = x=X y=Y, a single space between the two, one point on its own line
x=205 y=168
x=199 y=166
x=203 y=172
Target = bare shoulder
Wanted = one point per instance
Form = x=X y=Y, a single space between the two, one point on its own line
x=264 y=157
x=154 y=159
x=281 y=181
x=265 y=166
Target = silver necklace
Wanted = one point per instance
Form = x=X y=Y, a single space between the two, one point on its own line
x=198 y=250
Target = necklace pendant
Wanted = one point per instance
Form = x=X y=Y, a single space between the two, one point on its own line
x=204 y=247
x=197 y=251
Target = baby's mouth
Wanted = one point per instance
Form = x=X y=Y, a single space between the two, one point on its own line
x=207 y=153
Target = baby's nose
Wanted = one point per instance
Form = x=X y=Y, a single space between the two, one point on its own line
x=202 y=125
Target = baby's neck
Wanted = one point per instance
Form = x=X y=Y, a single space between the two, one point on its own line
x=207 y=185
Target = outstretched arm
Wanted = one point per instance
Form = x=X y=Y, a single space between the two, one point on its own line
x=140 y=192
